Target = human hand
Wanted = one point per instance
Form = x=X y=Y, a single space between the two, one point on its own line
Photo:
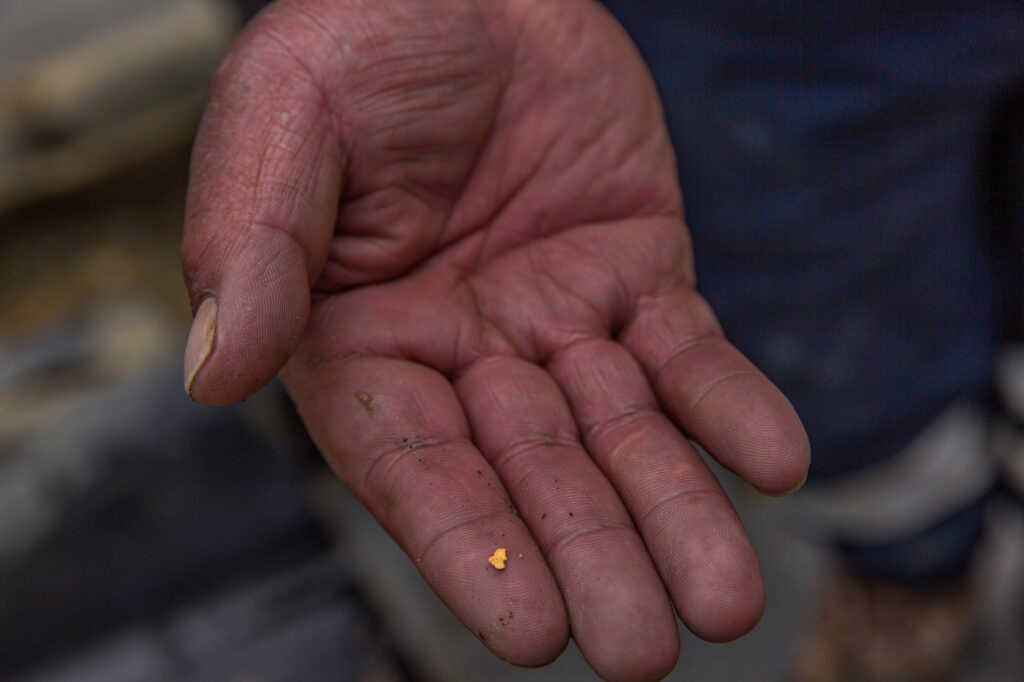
x=457 y=227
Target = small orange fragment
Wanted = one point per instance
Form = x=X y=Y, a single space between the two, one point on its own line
x=499 y=558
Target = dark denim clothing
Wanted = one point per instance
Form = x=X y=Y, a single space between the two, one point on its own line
x=852 y=172
x=833 y=157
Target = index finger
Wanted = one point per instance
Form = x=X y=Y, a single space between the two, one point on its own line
x=395 y=432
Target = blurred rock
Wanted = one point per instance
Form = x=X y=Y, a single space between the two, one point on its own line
x=107 y=97
x=297 y=626
x=143 y=537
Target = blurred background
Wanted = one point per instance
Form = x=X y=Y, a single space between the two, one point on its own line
x=146 y=538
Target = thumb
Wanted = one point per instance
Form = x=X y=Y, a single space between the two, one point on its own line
x=262 y=203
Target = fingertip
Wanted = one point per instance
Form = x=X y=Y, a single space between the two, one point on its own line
x=535 y=630
x=246 y=330
x=651 y=657
x=784 y=451
x=729 y=616
x=754 y=430
x=623 y=619
x=709 y=566
x=726 y=598
x=779 y=491
x=545 y=641
x=518 y=612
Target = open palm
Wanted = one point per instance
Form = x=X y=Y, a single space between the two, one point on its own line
x=457 y=227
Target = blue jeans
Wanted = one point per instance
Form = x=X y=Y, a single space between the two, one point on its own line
x=849 y=170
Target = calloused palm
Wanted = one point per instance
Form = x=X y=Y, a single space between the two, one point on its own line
x=457 y=226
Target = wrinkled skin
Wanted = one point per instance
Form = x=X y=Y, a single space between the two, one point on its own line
x=457 y=227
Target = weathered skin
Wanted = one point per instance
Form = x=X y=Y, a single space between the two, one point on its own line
x=503 y=345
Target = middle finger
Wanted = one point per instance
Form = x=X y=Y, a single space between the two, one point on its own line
x=619 y=612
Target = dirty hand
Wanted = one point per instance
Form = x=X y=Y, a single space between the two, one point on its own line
x=456 y=225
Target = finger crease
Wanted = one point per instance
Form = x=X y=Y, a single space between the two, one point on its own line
x=563 y=544
x=395 y=456
x=504 y=456
x=718 y=382
x=445 y=532
x=694 y=496
x=686 y=347
x=630 y=415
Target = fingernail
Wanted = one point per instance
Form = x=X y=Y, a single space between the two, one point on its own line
x=200 y=341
